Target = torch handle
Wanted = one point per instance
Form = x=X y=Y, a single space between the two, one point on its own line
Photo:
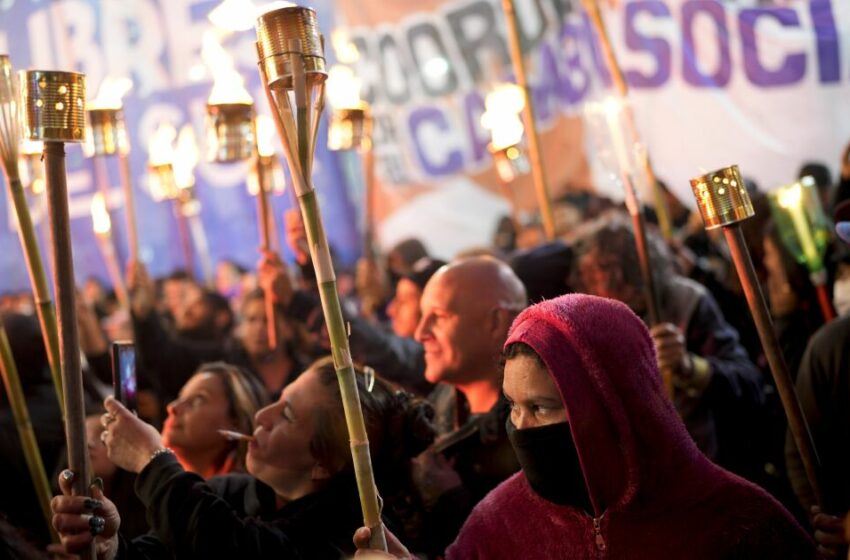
x=113 y=269
x=823 y=299
x=129 y=206
x=781 y=376
x=69 y=343
x=538 y=173
x=32 y=455
x=38 y=280
x=263 y=215
x=185 y=238
x=368 y=156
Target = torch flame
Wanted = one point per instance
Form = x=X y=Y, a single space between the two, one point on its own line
x=31 y=147
x=343 y=88
x=504 y=104
x=160 y=146
x=110 y=93
x=228 y=84
x=790 y=197
x=234 y=15
x=186 y=156
x=100 y=215
x=265 y=135
x=346 y=51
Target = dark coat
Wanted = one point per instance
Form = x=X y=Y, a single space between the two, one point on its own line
x=236 y=516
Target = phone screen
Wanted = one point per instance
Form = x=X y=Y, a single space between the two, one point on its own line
x=124 y=373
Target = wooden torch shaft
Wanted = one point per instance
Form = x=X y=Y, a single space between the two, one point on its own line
x=69 y=344
x=538 y=173
x=769 y=341
x=369 y=213
x=263 y=215
x=129 y=206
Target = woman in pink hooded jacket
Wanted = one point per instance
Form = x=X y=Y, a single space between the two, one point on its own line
x=608 y=469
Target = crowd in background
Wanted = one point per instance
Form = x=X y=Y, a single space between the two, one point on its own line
x=447 y=420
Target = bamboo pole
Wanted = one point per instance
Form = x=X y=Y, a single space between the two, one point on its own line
x=10 y=135
x=661 y=210
x=538 y=173
x=29 y=444
x=297 y=144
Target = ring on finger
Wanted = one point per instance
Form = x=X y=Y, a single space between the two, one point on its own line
x=106 y=419
x=103 y=435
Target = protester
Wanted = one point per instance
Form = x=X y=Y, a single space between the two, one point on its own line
x=303 y=502
x=467 y=308
x=718 y=391
x=171 y=359
x=218 y=397
x=608 y=468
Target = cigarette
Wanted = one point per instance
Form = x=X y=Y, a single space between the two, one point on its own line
x=235 y=436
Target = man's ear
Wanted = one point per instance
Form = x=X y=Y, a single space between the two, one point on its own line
x=319 y=473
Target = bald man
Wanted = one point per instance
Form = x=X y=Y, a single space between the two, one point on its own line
x=467 y=308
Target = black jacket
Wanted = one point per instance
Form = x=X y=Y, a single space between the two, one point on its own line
x=235 y=516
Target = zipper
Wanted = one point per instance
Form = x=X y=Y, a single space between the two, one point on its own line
x=597 y=533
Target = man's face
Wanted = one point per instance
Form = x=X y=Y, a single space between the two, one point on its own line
x=459 y=347
x=404 y=308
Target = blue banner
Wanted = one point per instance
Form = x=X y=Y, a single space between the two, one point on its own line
x=157 y=44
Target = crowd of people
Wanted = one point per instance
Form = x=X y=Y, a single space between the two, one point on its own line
x=518 y=403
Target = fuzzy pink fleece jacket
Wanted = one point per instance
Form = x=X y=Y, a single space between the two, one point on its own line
x=655 y=495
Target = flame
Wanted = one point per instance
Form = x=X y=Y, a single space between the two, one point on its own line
x=110 y=93
x=265 y=135
x=186 y=156
x=234 y=15
x=31 y=147
x=501 y=118
x=343 y=88
x=161 y=145
x=100 y=215
x=228 y=84
x=346 y=51
x=272 y=6
x=790 y=196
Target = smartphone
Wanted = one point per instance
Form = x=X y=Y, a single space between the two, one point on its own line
x=124 y=373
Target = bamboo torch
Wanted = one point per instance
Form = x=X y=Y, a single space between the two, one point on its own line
x=805 y=232
x=54 y=104
x=291 y=60
x=10 y=135
x=613 y=111
x=503 y=107
x=724 y=202
x=661 y=209
x=102 y=226
x=538 y=172
x=232 y=137
x=18 y=404
x=108 y=137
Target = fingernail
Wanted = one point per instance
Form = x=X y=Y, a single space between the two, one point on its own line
x=92 y=504
x=98 y=482
x=67 y=475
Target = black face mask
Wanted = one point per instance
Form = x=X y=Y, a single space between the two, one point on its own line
x=550 y=462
